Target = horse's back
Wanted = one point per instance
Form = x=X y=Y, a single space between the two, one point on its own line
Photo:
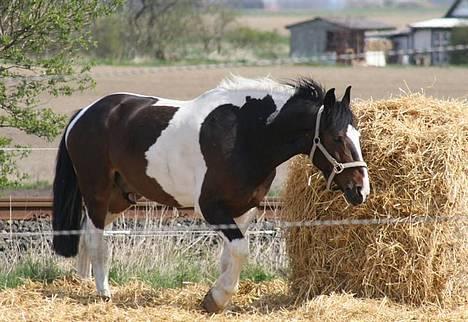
x=115 y=133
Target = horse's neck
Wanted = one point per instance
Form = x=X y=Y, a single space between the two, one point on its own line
x=275 y=141
x=287 y=138
x=268 y=148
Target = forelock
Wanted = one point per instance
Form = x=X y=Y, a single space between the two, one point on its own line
x=338 y=117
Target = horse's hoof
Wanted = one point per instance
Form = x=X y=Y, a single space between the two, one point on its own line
x=105 y=296
x=210 y=305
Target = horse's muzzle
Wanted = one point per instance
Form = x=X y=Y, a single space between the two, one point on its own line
x=354 y=196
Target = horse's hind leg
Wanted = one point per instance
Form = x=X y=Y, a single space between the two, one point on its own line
x=95 y=180
x=83 y=266
x=117 y=204
x=97 y=247
x=234 y=255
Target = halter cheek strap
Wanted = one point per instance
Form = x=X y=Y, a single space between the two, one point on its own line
x=337 y=166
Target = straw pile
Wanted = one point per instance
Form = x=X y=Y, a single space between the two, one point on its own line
x=417 y=150
x=72 y=300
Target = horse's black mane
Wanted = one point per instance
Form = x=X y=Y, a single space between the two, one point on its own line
x=337 y=118
x=309 y=89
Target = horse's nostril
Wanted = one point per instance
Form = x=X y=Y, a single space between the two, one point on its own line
x=358 y=188
x=354 y=196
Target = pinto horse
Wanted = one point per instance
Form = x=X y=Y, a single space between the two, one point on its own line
x=217 y=153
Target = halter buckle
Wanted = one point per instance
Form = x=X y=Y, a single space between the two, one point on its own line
x=338 y=168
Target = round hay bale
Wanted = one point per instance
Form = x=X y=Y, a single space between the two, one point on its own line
x=417 y=150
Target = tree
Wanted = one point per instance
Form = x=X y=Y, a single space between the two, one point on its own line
x=459 y=37
x=214 y=18
x=158 y=24
x=166 y=27
x=40 y=43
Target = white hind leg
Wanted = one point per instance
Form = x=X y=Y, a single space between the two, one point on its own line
x=83 y=266
x=94 y=250
x=99 y=255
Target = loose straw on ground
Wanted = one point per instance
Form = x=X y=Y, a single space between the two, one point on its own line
x=69 y=299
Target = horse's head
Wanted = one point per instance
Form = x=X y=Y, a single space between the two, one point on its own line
x=336 y=149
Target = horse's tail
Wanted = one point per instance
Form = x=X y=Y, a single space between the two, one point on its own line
x=67 y=205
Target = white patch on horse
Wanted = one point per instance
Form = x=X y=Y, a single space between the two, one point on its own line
x=354 y=136
x=280 y=93
x=133 y=94
x=99 y=254
x=244 y=220
x=235 y=254
x=175 y=160
x=83 y=266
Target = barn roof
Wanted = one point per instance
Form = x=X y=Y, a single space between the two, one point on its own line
x=459 y=9
x=355 y=23
x=403 y=32
x=440 y=23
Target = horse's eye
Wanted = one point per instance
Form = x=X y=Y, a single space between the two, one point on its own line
x=338 y=139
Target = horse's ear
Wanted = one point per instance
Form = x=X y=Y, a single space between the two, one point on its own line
x=346 y=97
x=330 y=99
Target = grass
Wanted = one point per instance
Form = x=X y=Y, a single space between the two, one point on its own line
x=257 y=273
x=169 y=260
x=183 y=272
x=31 y=269
x=15 y=187
x=151 y=62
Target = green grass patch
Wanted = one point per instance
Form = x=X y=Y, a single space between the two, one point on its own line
x=175 y=275
x=30 y=269
x=150 y=62
x=119 y=274
x=185 y=271
x=256 y=273
x=16 y=186
x=40 y=184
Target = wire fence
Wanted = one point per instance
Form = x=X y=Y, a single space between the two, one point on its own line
x=13 y=149
x=256 y=229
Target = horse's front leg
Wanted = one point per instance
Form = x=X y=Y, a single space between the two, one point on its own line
x=234 y=255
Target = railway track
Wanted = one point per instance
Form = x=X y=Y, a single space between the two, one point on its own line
x=21 y=208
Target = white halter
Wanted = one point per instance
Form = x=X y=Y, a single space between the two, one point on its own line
x=337 y=166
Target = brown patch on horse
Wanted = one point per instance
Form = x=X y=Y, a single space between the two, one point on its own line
x=115 y=133
x=237 y=176
x=134 y=132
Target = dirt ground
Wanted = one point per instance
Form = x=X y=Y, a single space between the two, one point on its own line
x=72 y=300
x=368 y=83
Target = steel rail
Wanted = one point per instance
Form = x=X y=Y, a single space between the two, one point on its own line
x=27 y=208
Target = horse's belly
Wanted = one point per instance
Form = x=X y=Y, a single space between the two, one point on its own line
x=178 y=171
x=175 y=160
x=176 y=181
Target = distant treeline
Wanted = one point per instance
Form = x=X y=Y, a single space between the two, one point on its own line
x=173 y=30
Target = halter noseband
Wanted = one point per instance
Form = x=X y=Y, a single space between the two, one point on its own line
x=337 y=166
